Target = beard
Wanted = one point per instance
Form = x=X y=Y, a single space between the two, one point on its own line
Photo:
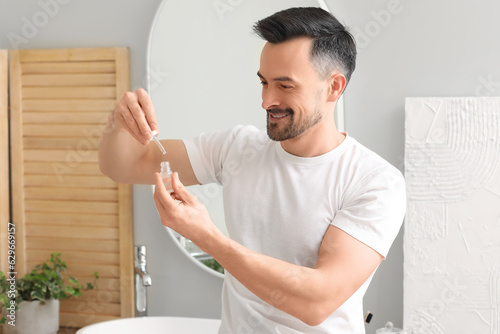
x=292 y=129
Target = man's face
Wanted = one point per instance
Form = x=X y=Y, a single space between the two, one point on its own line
x=292 y=92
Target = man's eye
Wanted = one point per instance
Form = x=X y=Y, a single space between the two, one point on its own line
x=263 y=83
x=286 y=87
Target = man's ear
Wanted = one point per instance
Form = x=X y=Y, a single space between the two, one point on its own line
x=337 y=83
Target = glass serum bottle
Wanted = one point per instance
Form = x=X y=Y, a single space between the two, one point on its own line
x=166 y=175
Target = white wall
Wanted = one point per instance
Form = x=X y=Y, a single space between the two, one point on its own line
x=423 y=48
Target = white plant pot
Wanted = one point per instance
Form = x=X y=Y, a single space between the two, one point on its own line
x=35 y=317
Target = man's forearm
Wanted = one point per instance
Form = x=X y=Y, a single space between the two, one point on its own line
x=296 y=290
x=120 y=155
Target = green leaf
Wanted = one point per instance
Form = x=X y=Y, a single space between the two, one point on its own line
x=37 y=295
x=73 y=280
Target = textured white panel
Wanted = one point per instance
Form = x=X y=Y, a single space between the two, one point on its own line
x=452 y=231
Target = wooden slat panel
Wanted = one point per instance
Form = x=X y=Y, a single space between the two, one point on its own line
x=17 y=180
x=71 y=194
x=64 y=98
x=62 y=117
x=125 y=198
x=75 y=231
x=97 y=182
x=51 y=167
x=100 y=295
x=61 y=130
x=75 y=257
x=106 y=79
x=109 y=271
x=4 y=162
x=89 y=219
x=58 y=143
x=126 y=250
x=70 y=206
x=76 y=305
x=63 y=245
x=69 y=67
x=105 y=283
x=109 y=283
x=69 y=92
x=72 y=104
x=71 y=157
x=68 y=55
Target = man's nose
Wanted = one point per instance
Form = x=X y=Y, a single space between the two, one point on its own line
x=270 y=99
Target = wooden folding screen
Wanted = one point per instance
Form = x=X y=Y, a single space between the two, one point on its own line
x=60 y=101
x=4 y=162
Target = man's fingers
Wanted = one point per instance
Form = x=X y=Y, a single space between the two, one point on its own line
x=137 y=111
x=148 y=108
x=161 y=195
x=131 y=124
x=180 y=190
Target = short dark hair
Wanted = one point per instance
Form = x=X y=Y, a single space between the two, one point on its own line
x=333 y=46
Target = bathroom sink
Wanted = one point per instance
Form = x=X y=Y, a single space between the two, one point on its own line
x=153 y=325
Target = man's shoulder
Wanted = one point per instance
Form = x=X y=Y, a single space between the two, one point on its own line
x=363 y=162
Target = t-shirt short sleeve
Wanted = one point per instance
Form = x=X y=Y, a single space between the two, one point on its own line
x=208 y=151
x=374 y=210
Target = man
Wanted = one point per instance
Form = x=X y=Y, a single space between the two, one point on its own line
x=310 y=212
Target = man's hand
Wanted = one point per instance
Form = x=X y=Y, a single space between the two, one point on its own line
x=135 y=113
x=184 y=213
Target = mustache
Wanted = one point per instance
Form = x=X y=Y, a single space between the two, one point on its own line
x=280 y=111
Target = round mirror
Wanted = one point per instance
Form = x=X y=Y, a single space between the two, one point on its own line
x=203 y=59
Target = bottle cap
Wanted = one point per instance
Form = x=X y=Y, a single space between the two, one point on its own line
x=165 y=167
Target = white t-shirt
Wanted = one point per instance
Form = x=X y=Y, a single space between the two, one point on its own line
x=281 y=205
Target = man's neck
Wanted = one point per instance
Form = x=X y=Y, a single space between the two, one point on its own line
x=314 y=142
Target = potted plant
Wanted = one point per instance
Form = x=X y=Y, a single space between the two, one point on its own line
x=31 y=304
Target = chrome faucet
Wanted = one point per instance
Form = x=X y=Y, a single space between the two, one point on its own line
x=142 y=280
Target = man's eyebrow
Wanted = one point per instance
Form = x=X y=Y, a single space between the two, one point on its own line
x=282 y=78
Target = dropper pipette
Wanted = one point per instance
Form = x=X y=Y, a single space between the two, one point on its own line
x=158 y=143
